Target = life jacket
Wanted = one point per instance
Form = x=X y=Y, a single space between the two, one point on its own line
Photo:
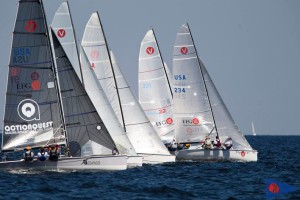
x=228 y=144
x=42 y=157
x=28 y=156
x=53 y=155
x=217 y=143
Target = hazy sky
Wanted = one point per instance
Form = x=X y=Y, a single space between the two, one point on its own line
x=250 y=48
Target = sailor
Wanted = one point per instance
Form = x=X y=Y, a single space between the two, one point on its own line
x=172 y=146
x=207 y=143
x=42 y=155
x=228 y=143
x=217 y=143
x=115 y=151
x=54 y=154
x=187 y=146
x=180 y=146
x=28 y=154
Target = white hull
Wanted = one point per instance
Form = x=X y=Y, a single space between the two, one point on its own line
x=71 y=163
x=134 y=161
x=157 y=158
x=216 y=155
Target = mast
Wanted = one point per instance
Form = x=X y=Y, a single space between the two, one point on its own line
x=113 y=72
x=55 y=75
x=75 y=43
x=162 y=63
x=200 y=65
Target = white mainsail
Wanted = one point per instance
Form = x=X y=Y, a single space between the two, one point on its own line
x=155 y=95
x=198 y=108
x=91 y=83
x=138 y=128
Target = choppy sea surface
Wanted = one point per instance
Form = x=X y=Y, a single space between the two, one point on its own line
x=278 y=158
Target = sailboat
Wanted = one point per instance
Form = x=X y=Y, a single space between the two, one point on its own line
x=253 y=130
x=155 y=93
x=199 y=111
x=47 y=104
x=140 y=132
x=63 y=27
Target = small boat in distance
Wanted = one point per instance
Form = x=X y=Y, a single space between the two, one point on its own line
x=253 y=130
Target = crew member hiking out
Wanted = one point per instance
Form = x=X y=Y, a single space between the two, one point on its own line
x=28 y=154
x=53 y=154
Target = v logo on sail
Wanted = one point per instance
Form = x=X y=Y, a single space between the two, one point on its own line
x=30 y=26
x=150 y=50
x=61 y=33
x=184 y=50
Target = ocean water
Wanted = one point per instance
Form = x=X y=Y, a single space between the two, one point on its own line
x=278 y=159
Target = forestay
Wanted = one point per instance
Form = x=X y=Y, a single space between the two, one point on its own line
x=155 y=95
x=86 y=133
x=32 y=113
x=194 y=107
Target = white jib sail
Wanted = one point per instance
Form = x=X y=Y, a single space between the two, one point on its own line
x=138 y=128
x=155 y=94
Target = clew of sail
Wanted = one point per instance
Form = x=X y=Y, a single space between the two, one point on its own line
x=155 y=93
x=32 y=111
